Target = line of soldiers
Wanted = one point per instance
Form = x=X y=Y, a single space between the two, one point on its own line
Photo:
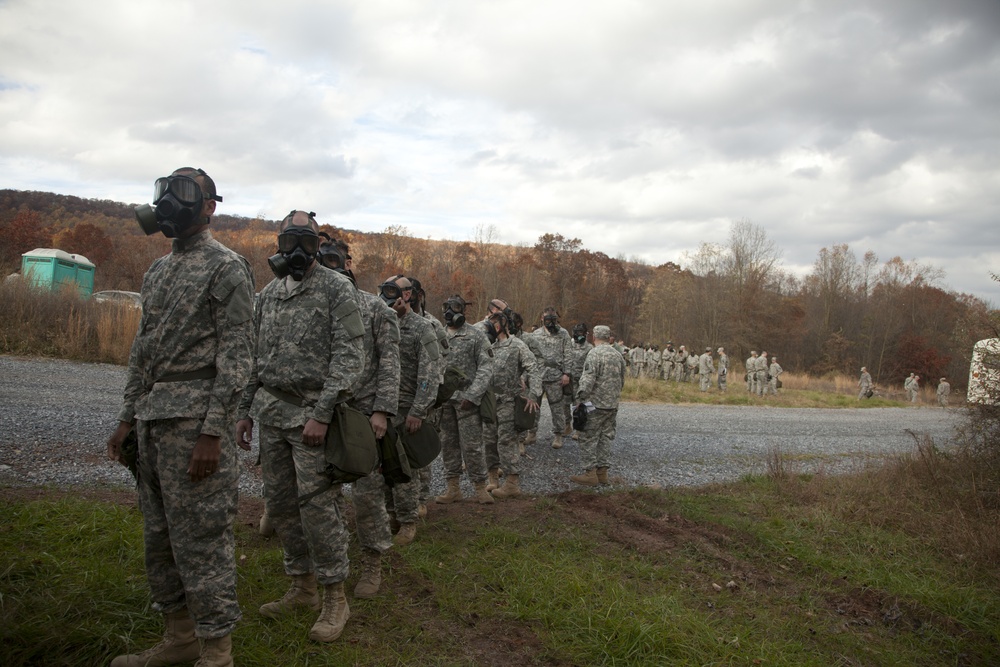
x=209 y=365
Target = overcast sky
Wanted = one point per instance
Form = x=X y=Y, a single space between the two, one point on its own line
x=641 y=127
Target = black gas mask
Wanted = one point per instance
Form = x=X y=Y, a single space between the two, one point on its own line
x=389 y=292
x=494 y=320
x=454 y=312
x=551 y=323
x=297 y=248
x=178 y=201
x=580 y=333
x=416 y=295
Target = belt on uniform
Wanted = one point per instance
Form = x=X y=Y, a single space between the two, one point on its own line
x=285 y=396
x=200 y=374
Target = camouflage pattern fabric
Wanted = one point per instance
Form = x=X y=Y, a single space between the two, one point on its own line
x=774 y=371
x=554 y=353
x=197 y=316
x=705 y=370
x=419 y=360
x=313 y=535
x=723 y=371
x=403 y=500
x=462 y=430
x=377 y=390
x=595 y=439
x=603 y=378
x=512 y=360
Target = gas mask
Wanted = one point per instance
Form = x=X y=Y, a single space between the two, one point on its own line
x=331 y=257
x=297 y=249
x=454 y=312
x=416 y=295
x=515 y=324
x=580 y=333
x=390 y=292
x=178 y=201
x=551 y=323
x=494 y=320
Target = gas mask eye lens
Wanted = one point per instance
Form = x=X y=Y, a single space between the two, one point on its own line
x=390 y=292
x=184 y=189
x=288 y=241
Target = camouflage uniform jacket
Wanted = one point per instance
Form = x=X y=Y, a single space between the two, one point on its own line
x=775 y=370
x=723 y=364
x=442 y=339
x=419 y=365
x=705 y=365
x=377 y=390
x=554 y=351
x=197 y=315
x=603 y=378
x=310 y=344
x=469 y=351
x=579 y=352
x=512 y=360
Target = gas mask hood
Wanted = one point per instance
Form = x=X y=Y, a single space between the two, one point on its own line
x=298 y=244
x=454 y=312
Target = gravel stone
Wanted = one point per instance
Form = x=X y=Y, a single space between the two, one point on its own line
x=56 y=415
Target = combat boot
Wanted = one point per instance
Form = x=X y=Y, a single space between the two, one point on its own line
x=217 y=652
x=407 y=531
x=511 y=488
x=588 y=478
x=422 y=511
x=302 y=593
x=179 y=645
x=557 y=442
x=394 y=524
x=576 y=435
x=266 y=528
x=371 y=575
x=494 y=481
x=483 y=496
x=602 y=475
x=530 y=437
x=453 y=494
x=569 y=427
x=334 y=616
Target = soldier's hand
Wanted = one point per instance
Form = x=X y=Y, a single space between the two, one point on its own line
x=205 y=457
x=530 y=406
x=244 y=433
x=413 y=424
x=467 y=404
x=379 y=423
x=116 y=440
x=564 y=380
x=314 y=433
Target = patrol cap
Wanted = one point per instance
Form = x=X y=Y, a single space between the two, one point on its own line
x=602 y=332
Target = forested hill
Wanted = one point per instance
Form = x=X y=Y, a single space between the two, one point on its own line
x=893 y=316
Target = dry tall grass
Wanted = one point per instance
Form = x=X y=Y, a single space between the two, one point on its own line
x=61 y=324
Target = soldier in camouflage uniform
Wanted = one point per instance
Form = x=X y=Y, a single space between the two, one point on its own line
x=512 y=360
x=376 y=393
x=309 y=354
x=552 y=346
x=705 y=369
x=669 y=357
x=723 y=368
x=751 y=370
x=637 y=355
x=419 y=377
x=681 y=364
x=760 y=377
x=601 y=386
x=189 y=360
x=581 y=346
x=864 y=383
x=654 y=359
x=469 y=355
x=774 y=371
x=418 y=301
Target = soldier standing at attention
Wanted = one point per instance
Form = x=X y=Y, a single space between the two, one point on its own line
x=470 y=355
x=774 y=371
x=760 y=377
x=705 y=369
x=190 y=358
x=751 y=369
x=309 y=354
x=581 y=346
x=864 y=383
x=553 y=347
x=723 y=368
x=601 y=386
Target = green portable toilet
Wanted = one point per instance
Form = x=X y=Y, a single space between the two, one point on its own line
x=52 y=268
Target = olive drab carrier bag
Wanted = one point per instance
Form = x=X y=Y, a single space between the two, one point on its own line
x=395 y=463
x=351 y=449
x=580 y=417
x=454 y=380
x=422 y=446
x=523 y=420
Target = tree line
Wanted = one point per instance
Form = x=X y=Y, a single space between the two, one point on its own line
x=893 y=316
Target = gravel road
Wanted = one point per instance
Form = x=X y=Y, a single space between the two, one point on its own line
x=56 y=415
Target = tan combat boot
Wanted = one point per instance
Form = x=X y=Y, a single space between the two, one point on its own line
x=334 y=616
x=302 y=593
x=494 y=481
x=393 y=524
x=511 y=488
x=266 y=528
x=557 y=442
x=588 y=478
x=602 y=475
x=576 y=435
x=371 y=575
x=217 y=652
x=483 y=496
x=569 y=427
x=407 y=531
x=179 y=645
x=530 y=437
x=453 y=494
x=422 y=511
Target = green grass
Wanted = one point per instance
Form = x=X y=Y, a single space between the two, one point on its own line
x=646 y=390
x=620 y=578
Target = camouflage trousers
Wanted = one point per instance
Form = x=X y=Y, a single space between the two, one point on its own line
x=772 y=386
x=370 y=516
x=667 y=372
x=462 y=440
x=403 y=500
x=569 y=391
x=188 y=526
x=722 y=380
x=704 y=381
x=759 y=382
x=313 y=535
x=595 y=440
x=502 y=448
x=554 y=394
